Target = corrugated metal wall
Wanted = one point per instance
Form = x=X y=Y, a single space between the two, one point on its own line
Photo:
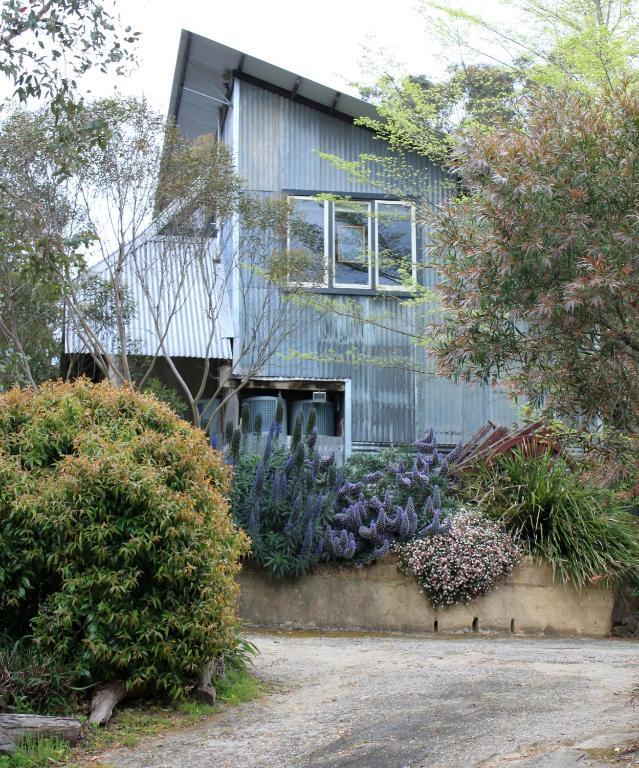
x=280 y=141
x=278 y=150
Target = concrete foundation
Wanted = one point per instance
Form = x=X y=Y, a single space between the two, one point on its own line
x=380 y=598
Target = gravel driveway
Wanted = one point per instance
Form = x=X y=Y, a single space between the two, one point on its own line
x=398 y=702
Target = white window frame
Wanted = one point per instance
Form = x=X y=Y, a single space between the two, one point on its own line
x=325 y=208
x=369 y=245
x=413 y=245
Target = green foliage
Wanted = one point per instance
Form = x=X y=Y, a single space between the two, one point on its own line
x=167 y=395
x=45 y=44
x=417 y=114
x=33 y=680
x=538 y=258
x=609 y=457
x=580 y=529
x=38 y=753
x=583 y=46
x=34 y=249
x=117 y=552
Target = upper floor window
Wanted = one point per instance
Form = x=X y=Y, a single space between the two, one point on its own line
x=396 y=251
x=352 y=247
x=353 y=244
x=307 y=241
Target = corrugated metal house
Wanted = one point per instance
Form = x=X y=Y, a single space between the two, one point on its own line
x=370 y=380
x=278 y=124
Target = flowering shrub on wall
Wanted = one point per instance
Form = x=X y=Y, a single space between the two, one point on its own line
x=475 y=555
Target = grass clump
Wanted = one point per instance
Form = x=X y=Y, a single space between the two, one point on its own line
x=583 y=531
x=38 y=753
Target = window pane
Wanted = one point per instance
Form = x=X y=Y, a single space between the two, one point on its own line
x=306 y=242
x=352 y=238
x=394 y=244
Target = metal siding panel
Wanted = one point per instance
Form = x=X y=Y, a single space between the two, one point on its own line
x=260 y=139
x=189 y=326
x=324 y=345
x=279 y=144
x=281 y=141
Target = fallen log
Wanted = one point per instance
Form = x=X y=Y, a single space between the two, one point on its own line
x=104 y=700
x=16 y=728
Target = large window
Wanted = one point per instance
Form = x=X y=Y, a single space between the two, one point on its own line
x=353 y=244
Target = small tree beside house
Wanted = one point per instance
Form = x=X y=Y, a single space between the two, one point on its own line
x=181 y=242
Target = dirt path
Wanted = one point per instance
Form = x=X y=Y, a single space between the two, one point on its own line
x=380 y=702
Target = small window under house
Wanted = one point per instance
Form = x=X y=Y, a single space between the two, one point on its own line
x=352 y=245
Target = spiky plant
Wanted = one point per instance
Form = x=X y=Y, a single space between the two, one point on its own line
x=284 y=498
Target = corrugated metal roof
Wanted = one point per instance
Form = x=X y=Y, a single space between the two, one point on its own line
x=205 y=69
x=184 y=298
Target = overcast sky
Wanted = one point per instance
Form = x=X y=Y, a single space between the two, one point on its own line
x=323 y=41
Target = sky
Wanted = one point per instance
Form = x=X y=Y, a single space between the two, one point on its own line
x=324 y=41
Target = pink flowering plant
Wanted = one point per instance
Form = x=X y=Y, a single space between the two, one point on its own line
x=465 y=563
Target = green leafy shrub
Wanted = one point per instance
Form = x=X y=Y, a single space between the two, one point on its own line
x=580 y=529
x=474 y=556
x=34 y=681
x=117 y=550
x=167 y=395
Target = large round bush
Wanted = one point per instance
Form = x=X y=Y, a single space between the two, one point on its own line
x=463 y=564
x=117 y=551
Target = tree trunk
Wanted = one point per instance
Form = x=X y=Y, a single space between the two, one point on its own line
x=104 y=700
x=205 y=692
x=15 y=728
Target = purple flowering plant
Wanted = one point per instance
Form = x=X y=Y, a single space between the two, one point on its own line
x=283 y=497
x=393 y=503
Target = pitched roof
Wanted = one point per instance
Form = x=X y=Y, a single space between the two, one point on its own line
x=204 y=72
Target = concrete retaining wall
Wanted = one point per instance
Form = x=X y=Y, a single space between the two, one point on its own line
x=380 y=598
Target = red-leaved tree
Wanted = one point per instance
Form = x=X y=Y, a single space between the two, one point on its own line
x=540 y=257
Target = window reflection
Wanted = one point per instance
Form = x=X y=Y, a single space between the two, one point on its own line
x=394 y=244
x=306 y=242
x=352 y=244
x=370 y=245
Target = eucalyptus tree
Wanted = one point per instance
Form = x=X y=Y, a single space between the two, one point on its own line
x=46 y=45
x=176 y=233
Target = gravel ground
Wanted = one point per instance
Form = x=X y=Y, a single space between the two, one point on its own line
x=398 y=702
